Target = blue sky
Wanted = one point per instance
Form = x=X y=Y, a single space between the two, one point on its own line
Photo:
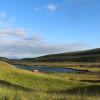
x=30 y=28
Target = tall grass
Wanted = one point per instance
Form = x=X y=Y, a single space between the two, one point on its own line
x=6 y=94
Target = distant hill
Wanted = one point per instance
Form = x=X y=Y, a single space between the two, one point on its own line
x=79 y=56
x=4 y=59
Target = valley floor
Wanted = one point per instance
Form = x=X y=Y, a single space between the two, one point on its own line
x=17 y=84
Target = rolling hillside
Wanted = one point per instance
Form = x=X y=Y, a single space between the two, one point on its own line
x=17 y=84
x=79 y=56
x=12 y=79
x=29 y=80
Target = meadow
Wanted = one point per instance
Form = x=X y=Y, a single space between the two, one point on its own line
x=18 y=84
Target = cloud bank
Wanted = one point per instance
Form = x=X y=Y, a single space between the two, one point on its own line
x=33 y=47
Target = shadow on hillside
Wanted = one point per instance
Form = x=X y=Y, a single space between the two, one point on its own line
x=14 y=86
x=91 y=81
x=87 y=90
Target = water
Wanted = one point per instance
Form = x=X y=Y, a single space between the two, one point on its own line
x=48 y=69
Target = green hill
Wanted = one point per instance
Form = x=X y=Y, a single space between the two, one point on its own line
x=79 y=56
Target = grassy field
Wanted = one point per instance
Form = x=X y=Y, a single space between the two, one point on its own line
x=17 y=84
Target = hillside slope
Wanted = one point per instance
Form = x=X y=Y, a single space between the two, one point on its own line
x=79 y=56
x=17 y=84
x=22 y=78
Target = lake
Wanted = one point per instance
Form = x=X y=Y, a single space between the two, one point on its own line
x=49 y=69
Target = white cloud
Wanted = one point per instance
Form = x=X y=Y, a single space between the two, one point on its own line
x=20 y=31
x=35 y=46
x=51 y=7
x=10 y=31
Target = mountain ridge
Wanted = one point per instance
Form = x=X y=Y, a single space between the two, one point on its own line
x=92 y=55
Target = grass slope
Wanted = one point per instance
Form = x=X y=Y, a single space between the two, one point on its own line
x=28 y=79
x=17 y=84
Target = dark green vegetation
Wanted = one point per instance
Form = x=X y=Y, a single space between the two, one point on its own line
x=4 y=59
x=80 y=56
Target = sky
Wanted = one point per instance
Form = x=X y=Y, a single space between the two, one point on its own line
x=31 y=28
